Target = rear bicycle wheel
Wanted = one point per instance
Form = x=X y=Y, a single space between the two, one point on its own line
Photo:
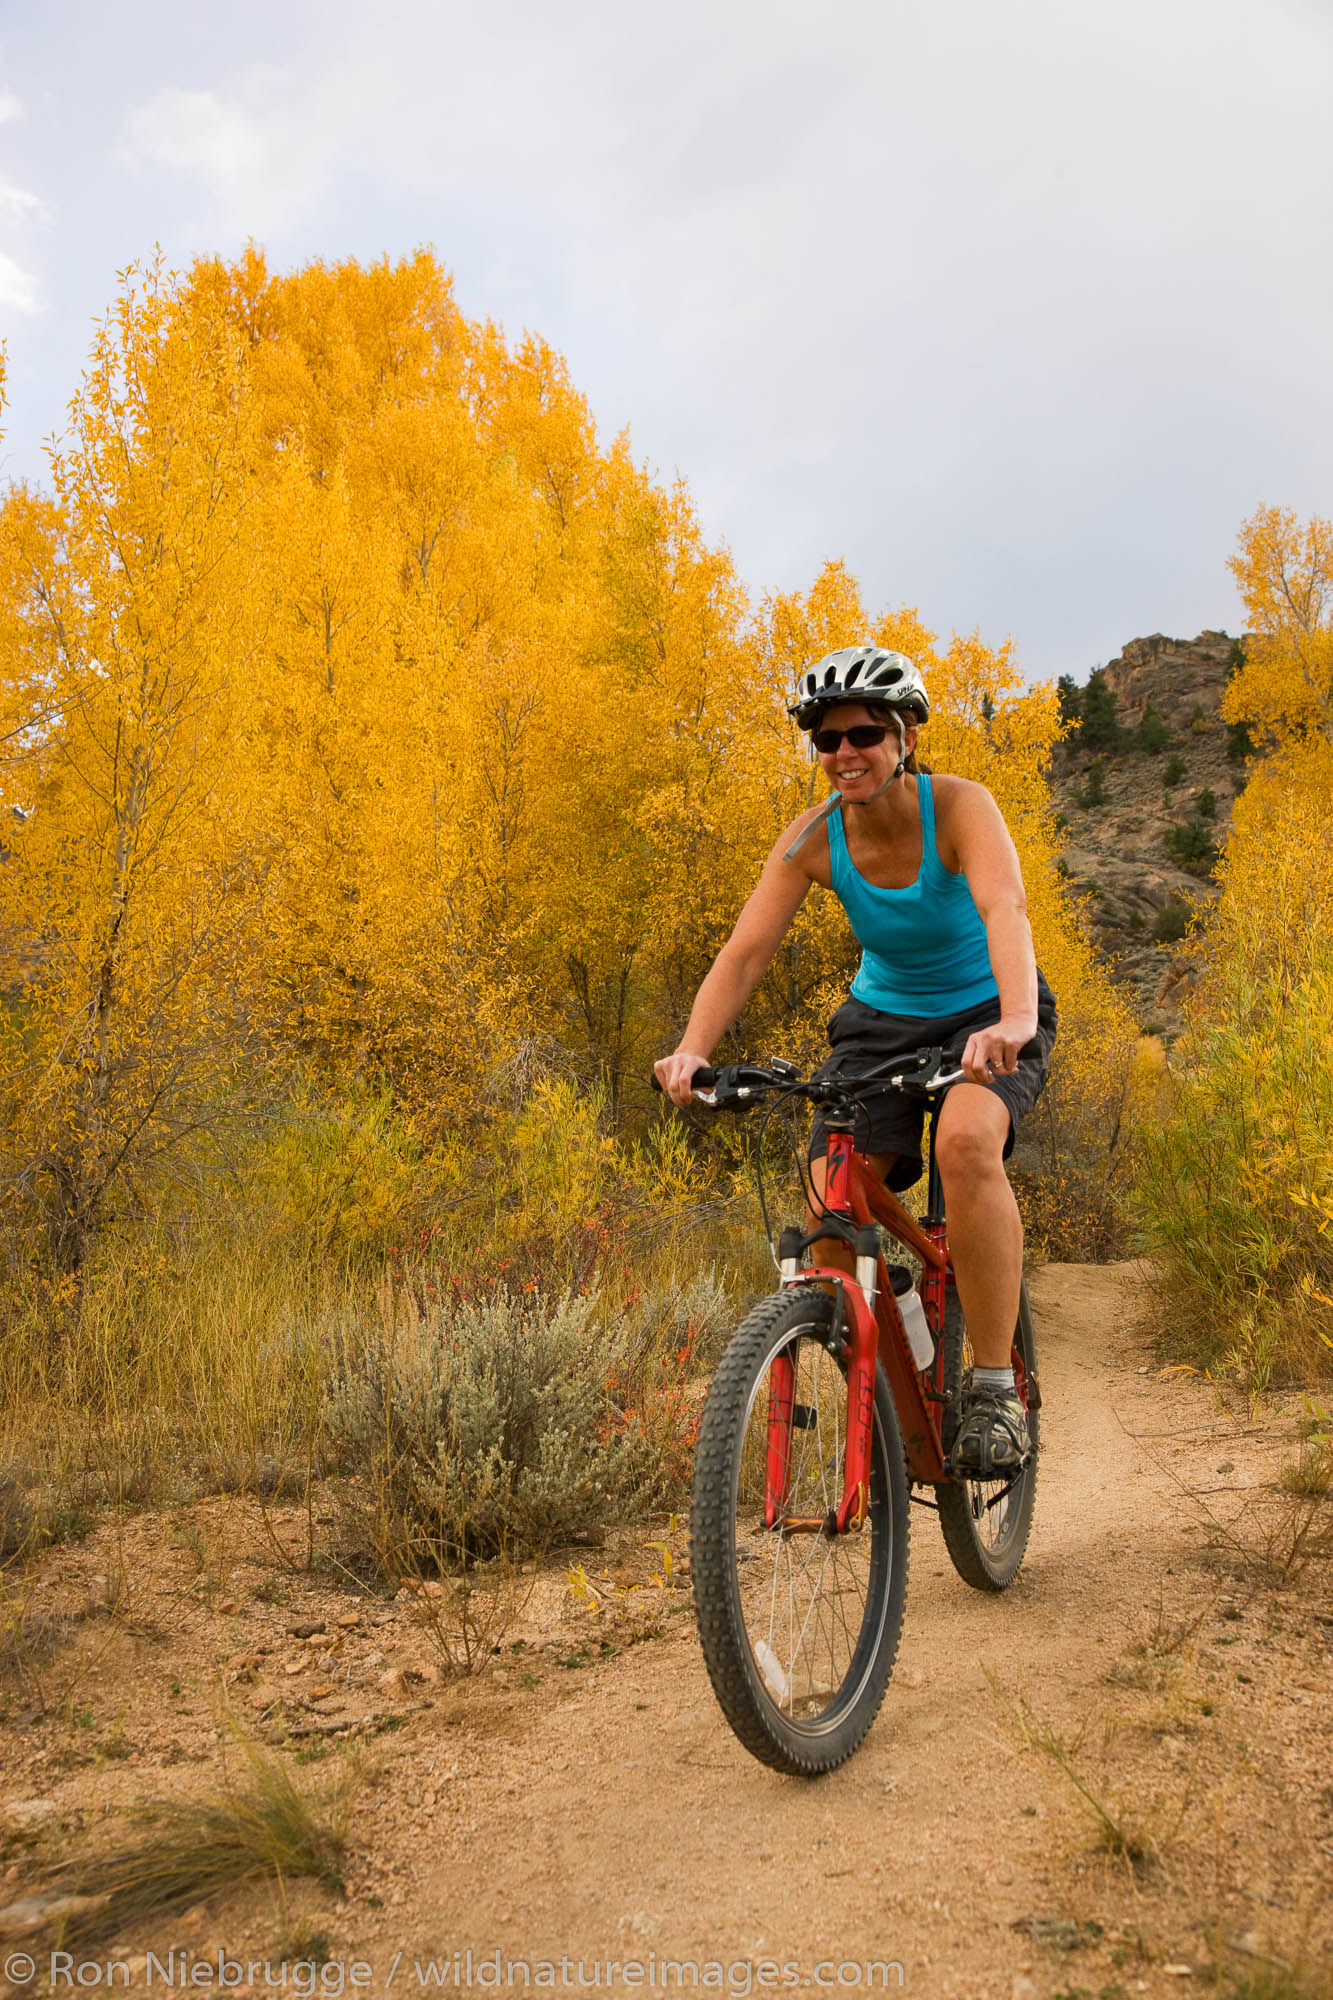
x=799 y=1627
x=986 y=1522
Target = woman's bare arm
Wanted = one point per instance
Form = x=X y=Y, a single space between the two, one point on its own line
x=990 y=862
x=741 y=963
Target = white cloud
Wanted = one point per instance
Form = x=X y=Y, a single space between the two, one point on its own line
x=18 y=288
x=246 y=156
x=20 y=201
x=1019 y=307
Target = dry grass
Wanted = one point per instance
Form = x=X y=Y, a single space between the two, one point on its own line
x=1261 y=1976
x=1277 y=1535
x=209 y=1364
x=262 y=1824
x=1154 y=1657
x=465 y=1617
x=1129 y=1830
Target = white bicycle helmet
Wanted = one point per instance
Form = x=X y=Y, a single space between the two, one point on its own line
x=870 y=674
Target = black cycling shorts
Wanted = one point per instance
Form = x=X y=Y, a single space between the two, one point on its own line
x=892 y=1121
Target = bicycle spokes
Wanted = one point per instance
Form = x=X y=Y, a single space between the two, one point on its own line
x=804 y=1584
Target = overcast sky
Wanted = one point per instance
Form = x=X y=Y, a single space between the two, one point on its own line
x=1021 y=306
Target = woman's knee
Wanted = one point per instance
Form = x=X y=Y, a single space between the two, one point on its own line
x=968 y=1148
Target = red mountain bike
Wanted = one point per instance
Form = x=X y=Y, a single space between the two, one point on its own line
x=823 y=1409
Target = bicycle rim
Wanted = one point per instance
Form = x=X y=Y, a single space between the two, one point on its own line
x=986 y=1522
x=809 y=1620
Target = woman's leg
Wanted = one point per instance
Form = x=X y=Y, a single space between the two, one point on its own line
x=985 y=1233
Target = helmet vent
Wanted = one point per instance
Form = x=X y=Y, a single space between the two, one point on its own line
x=851 y=678
x=830 y=674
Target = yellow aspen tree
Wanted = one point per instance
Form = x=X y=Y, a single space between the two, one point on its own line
x=129 y=884
x=1284 y=571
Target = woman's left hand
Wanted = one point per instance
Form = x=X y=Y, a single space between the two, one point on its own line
x=993 y=1052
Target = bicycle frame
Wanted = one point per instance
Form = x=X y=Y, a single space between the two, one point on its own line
x=854 y=1192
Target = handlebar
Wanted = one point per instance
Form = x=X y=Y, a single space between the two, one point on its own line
x=738 y=1085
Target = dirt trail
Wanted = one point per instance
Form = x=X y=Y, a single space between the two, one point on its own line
x=630 y=1821
x=606 y=1813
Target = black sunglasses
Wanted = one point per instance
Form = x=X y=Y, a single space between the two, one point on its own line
x=826 y=741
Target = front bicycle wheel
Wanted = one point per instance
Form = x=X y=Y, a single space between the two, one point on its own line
x=799 y=1626
x=986 y=1522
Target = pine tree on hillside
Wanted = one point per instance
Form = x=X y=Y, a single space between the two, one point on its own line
x=1100 y=727
x=1070 y=696
x=1153 y=734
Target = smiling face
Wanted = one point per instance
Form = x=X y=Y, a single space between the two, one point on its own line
x=859 y=773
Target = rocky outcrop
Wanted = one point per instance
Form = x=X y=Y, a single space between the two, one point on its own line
x=1182 y=678
x=1142 y=851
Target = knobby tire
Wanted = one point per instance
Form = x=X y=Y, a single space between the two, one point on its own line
x=787 y=1716
x=986 y=1544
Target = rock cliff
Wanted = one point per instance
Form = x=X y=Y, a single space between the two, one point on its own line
x=1146 y=807
x=1180 y=677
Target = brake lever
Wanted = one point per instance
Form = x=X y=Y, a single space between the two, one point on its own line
x=942 y=1080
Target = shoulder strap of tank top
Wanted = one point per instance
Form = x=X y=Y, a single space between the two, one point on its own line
x=926 y=802
x=931 y=857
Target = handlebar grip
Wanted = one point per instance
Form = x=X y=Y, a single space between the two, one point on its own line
x=706 y=1078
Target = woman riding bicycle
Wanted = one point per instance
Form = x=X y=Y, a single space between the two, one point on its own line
x=929 y=878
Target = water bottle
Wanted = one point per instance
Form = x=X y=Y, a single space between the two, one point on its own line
x=908 y=1300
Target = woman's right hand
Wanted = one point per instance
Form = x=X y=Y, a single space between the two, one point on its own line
x=674 y=1072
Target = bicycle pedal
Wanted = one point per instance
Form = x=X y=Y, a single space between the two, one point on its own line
x=1009 y=1475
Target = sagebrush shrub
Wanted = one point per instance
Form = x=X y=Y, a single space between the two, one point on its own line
x=488 y=1425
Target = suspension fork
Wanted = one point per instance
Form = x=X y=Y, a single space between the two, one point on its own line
x=781 y=1397
x=862 y=1346
x=935 y=1278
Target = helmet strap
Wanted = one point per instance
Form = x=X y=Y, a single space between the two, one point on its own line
x=831 y=806
x=902 y=758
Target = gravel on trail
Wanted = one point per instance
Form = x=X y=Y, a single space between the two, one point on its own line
x=1152 y=1679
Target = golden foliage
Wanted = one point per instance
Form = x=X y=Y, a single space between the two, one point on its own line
x=1236 y=1189
x=1284 y=570
x=367 y=721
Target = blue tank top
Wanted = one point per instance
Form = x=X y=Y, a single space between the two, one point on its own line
x=923 y=949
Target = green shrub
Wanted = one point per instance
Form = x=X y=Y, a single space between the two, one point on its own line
x=1190 y=846
x=1171 y=922
x=1235 y=1188
x=1174 y=771
x=1092 y=792
x=1234 y=1170
x=1205 y=803
x=1240 y=744
x=503 y=1423
x=1152 y=733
